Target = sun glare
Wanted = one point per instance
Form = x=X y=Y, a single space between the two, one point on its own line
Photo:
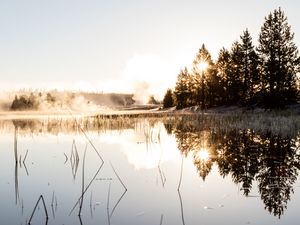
x=202 y=66
x=203 y=154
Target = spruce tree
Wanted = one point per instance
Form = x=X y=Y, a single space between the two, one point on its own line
x=168 y=100
x=223 y=67
x=234 y=76
x=201 y=78
x=182 y=89
x=249 y=69
x=279 y=60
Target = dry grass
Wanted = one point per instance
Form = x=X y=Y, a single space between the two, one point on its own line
x=284 y=122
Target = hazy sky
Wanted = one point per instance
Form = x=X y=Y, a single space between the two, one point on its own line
x=106 y=44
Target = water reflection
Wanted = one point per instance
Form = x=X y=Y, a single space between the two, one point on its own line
x=253 y=160
x=271 y=160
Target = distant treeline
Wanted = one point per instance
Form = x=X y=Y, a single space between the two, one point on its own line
x=245 y=75
x=68 y=100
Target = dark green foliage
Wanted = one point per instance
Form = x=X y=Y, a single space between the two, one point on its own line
x=243 y=76
x=168 y=100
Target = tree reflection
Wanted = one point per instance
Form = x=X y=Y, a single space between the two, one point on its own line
x=271 y=160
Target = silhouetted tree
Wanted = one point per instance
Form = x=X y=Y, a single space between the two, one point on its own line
x=223 y=65
x=204 y=79
x=183 y=89
x=249 y=70
x=279 y=60
x=234 y=76
x=168 y=100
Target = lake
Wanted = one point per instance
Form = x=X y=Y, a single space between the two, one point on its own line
x=170 y=170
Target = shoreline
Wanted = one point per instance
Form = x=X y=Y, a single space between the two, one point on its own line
x=135 y=112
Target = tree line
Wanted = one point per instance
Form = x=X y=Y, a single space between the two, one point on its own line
x=245 y=75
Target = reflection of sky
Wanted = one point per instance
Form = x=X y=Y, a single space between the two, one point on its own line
x=147 y=197
x=143 y=152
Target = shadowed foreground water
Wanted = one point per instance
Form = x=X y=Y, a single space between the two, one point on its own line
x=146 y=171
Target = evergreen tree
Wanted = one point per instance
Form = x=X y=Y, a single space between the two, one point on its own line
x=214 y=88
x=234 y=76
x=168 y=100
x=223 y=65
x=201 y=77
x=249 y=69
x=279 y=60
x=183 y=89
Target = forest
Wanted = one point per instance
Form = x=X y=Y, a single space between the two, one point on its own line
x=246 y=75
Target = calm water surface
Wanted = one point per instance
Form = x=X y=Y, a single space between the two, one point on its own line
x=145 y=171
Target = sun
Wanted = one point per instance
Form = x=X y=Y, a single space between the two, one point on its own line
x=203 y=154
x=202 y=66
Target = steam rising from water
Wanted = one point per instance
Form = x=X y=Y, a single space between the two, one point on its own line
x=148 y=74
x=143 y=75
x=53 y=102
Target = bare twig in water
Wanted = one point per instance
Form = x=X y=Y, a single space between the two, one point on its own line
x=45 y=208
x=52 y=201
x=87 y=187
x=91 y=143
x=102 y=162
x=20 y=158
x=66 y=160
x=118 y=176
x=91 y=198
x=25 y=156
x=91 y=205
x=82 y=188
x=24 y=164
x=80 y=220
x=86 y=136
x=52 y=205
x=107 y=205
x=74 y=159
x=178 y=190
x=181 y=170
x=162 y=176
x=125 y=190
x=114 y=208
x=161 y=219
x=181 y=207
x=16 y=145
x=17 y=184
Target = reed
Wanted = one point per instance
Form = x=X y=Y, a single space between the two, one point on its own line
x=82 y=185
x=41 y=198
x=181 y=171
x=123 y=194
x=107 y=204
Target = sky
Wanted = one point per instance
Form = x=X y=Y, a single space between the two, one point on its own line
x=120 y=45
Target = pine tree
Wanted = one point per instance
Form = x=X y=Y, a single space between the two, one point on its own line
x=201 y=77
x=223 y=67
x=249 y=69
x=279 y=60
x=234 y=76
x=168 y=100
x=183 y=90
